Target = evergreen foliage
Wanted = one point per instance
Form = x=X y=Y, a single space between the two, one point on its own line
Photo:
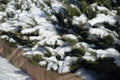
x=63 y=24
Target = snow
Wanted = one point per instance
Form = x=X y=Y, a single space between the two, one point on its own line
x=52 y=63
x=115 y=55
x=61 y=66
x=57 y=6
x=115 y=1
x=54 y=18
x=26 y=17
x=89 y=57
x=117 y=61
x=86 y=75
x=61 y=51
x=23 y=24
x=51 y=40
x=6 y=27
x=71 y=36
x=12 y=40
x=110 y=52
x=1 y=17
x=35 y=38
x=82 y=44
x=65 y=66
x=33 y=53
x=37 y=48
x=101 y=8
x=39 y=18
x=46 y=29
x=102 y=53
x=51 y=59
x=60 y=63
x=101 y=32
x=52 y=51
x=64 y=69
x=28 y=30
x=82 y=19
x=2 y=13
x=106 y=10
x=36 y=12
x=100 y=18
x=4 y=37
x=10 y=72
x=42 y=63
x=114 y=52
x=10 y=9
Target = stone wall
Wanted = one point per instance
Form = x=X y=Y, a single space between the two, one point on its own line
x=14 y=55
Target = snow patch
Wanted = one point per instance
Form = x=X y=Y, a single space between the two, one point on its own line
x=100 y=18
x=89 y=57
x=99 y=32
x=86 y=75
x=79 y=20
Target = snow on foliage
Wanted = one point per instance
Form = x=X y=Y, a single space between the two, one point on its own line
x=79 y=20
x=63 y=33
x=102 y=18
